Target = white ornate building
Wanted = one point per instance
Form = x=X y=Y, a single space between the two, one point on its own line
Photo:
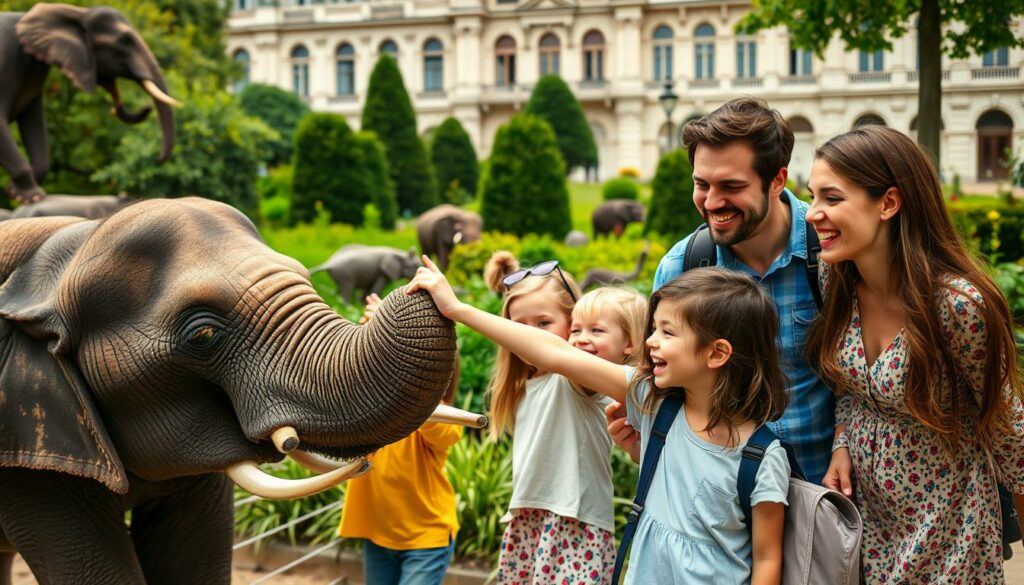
x=478 y=59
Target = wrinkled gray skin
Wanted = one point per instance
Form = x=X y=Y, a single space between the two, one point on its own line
x=576 y=239
x=437 y=229
x=143 y=354
x=612 y=216
x=93 y=47
x=368 y=268
x=87 y=206
x=604 y=276
x=5 y=214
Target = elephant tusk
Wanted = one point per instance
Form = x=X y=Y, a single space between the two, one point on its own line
x=285 y=439
x=454 y=416
x=158 y=94
x=314 y=462
x=457 y=238
x=249 y=477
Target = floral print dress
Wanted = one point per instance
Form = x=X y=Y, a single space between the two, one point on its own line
x=929 y=517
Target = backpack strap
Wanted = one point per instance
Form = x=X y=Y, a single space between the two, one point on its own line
x=662 y=423
x=753 y=454
x=813 y=250
x=700 y=250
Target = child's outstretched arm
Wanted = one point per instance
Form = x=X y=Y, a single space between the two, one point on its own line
x=768 y=521
x=546 y=351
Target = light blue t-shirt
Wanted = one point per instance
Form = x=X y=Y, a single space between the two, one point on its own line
x=692 y=528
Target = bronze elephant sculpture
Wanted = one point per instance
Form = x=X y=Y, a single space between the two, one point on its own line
x=368 y=269
x=87 y=206
x=612 y=216
x=148 y=357
x=93 y=47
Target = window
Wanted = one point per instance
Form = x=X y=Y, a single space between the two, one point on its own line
x=550 y=54
x=433 y=65
x=346 y=59
x=746 y=57
x=800 y=62
x=997 y=58
x=300 y=71
x=389 y=47
x=662 y=53
x=241 y=57
x=505 y=61
x=704 y=62
x=872 y=61
x=593 y=56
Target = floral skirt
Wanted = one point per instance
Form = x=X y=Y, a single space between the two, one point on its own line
x=542 y=547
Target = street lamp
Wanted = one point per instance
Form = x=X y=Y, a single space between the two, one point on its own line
x=668 y=100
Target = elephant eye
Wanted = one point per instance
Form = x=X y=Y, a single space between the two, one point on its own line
x=203 y=337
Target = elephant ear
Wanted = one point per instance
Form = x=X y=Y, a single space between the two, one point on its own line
x=48 y=420
x=53 y=33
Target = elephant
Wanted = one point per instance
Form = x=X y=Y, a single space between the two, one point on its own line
x=368 y=268
x=87 y=206
x=604 y=276
x=149 y=359
x=440 y=228
x=576 y=239
x=92 y=46
x=612 y=216
x=6 y=214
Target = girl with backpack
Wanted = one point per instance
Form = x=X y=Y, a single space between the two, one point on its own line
x=711 y=339
x=920 y=341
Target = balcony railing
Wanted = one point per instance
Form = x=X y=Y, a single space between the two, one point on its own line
x=915 y=75
x=800 y=80
x=995 y=73
x=704 y=83
x=747 y=82
x=871 y=77
x=593 y=84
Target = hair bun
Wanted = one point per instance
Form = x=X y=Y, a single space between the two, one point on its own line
x=501 y=264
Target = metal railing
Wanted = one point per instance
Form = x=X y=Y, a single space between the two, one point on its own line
x=704 y=83
x=747 y=82
x=870 y=77
x=995 y=73
x=800 y=80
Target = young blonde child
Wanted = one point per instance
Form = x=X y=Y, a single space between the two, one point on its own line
x=711 y=338
x=560 y=517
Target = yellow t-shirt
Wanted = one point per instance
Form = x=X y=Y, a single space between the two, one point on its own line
x=405 y=501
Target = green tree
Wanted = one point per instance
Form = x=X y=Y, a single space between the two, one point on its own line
x=279 y=109
x=620 y=188
x=554 y=102
x=388 y=112
x=524 y=187
x=970 y=27
x=218 y=154
x=376 y=164
x=455 y=163
x=672 y=213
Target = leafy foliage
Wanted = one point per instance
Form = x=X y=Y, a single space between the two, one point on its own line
x=526 y=174
x=389 y=113
x=279 y=109
x=620 y=188
x=481 y=474
x=997 y=230
x=376 y=164
x=1010 y=278
x=554 y=102
x=672 y=213
x=455 y=163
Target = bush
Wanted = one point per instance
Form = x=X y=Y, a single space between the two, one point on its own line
x=274 y=210
x=672 y=213
x=554 y=102
x=376 y=164
x=389 y=113
x=455 y=164
x=279 y=109
x=620 y=188
x=1010 y=278
x=997 y=232
x=524 y=190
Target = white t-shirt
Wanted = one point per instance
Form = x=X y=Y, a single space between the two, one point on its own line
x=561 y=453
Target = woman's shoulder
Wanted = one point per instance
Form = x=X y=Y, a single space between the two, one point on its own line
x=958 y=298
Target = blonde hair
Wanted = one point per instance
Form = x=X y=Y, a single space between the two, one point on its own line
x=508 y=381
x=627 y=308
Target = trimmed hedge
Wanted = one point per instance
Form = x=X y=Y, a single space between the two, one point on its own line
x=672 y=213
x=455 y=164
x=554 y=102
x=620 y=188
x=279 y=109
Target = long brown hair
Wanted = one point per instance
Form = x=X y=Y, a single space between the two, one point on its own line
x=722 y=304
x=927 y=255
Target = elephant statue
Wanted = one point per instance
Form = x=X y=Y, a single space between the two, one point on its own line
x=150 y=359
x=368 y=268
x=612 y=216
x=92 y=46
x=87 y=206
x=441 y=228
x=604 y=276
x=576 y=239
x=6 y=214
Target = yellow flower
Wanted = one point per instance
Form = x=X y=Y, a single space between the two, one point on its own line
x=993 y=215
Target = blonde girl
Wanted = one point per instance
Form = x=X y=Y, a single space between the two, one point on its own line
x=711 y=337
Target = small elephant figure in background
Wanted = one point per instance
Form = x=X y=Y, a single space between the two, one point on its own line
x=576 y=239
x=92 y=46
x=441 y=228
x=368 y=268
x=6 y=214
x=87 y=206
x=612 y=216
x=604 y=276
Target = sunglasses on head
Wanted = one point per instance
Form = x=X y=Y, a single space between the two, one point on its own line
x=539 y=270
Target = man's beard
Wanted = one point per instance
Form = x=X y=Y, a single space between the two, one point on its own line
x=748 y=225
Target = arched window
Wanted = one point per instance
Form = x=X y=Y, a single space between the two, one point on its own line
x=550 y=49
x=663 y=53
x=388 y=46
x=869 y=120
x=241 y=57
x=593 y=56
x=913 y=126
x=800 y=62
x=872 y=61
x=300 y=71
x=433 y=65
x=346 y=60
x=505 y=61
x=704 y=61
x=995 y=139
x=746 y=57
x=800 y=125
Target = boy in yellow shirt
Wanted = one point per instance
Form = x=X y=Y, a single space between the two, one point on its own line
x=404 y=508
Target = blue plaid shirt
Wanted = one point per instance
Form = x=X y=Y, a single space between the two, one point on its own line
x=809 y=421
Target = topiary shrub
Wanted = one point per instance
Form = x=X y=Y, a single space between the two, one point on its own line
x=524 y=189
x=554 y=102
x=455 y=164
x=620 y=188
x=376 y=164
x=279 y=109
x=672 y=212
x=389 y=113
